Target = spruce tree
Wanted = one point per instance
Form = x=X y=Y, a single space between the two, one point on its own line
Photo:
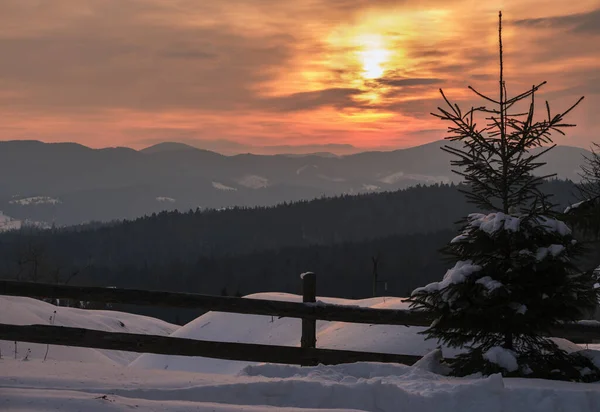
x=514 y=276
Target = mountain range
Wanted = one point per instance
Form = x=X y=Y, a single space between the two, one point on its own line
x=68 y=183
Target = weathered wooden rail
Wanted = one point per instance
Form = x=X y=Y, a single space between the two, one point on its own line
x=309 y=311
x=250 y=352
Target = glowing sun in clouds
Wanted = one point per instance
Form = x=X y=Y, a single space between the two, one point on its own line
x=373 y=55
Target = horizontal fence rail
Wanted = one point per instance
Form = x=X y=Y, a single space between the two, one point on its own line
x=250 y=352
x=578 y=332
x=317 y=311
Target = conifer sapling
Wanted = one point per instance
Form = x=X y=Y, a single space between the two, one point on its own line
x=514 y=275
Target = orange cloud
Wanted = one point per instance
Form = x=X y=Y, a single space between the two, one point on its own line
x=265 y=73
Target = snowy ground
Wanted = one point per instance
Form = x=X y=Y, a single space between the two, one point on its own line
x=78 y=379
x=68 y=386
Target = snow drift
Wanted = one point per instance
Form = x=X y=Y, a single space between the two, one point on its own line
x=230 y=327
x=26 y=311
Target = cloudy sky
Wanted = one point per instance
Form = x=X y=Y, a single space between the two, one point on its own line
x=239 y=73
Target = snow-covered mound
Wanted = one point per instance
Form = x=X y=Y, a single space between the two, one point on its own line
x=26 y=311
x=231 y=327
x=67 y=386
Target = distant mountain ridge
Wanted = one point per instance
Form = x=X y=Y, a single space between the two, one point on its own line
x=114 y=183
x=230 y=148
x=167 y=147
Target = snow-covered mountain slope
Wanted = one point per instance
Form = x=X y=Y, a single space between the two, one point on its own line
x=253 y=181
x=35 y=200
x=25 y=311
x=221 y=186
x=165 y=199
x=7 y=223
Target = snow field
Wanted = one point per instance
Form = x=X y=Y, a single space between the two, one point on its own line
x=75 y=379
x=37 y=386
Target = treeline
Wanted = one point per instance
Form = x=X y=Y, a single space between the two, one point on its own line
x=161 y=237
x=243 y=251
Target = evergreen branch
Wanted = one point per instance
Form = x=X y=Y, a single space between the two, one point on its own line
x=526 y=94
x=483 y=96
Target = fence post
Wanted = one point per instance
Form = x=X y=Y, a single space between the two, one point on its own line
x=309 y=295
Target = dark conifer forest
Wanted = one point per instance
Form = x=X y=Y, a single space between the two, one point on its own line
x=240 y=251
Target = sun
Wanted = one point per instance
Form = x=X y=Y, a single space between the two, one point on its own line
x=373 y=55
x=378 y=42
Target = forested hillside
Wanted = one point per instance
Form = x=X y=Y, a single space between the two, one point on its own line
x=248 y=250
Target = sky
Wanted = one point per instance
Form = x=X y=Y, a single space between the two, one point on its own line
x=239 y=75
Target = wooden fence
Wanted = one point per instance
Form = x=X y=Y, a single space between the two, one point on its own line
x=309 y=311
